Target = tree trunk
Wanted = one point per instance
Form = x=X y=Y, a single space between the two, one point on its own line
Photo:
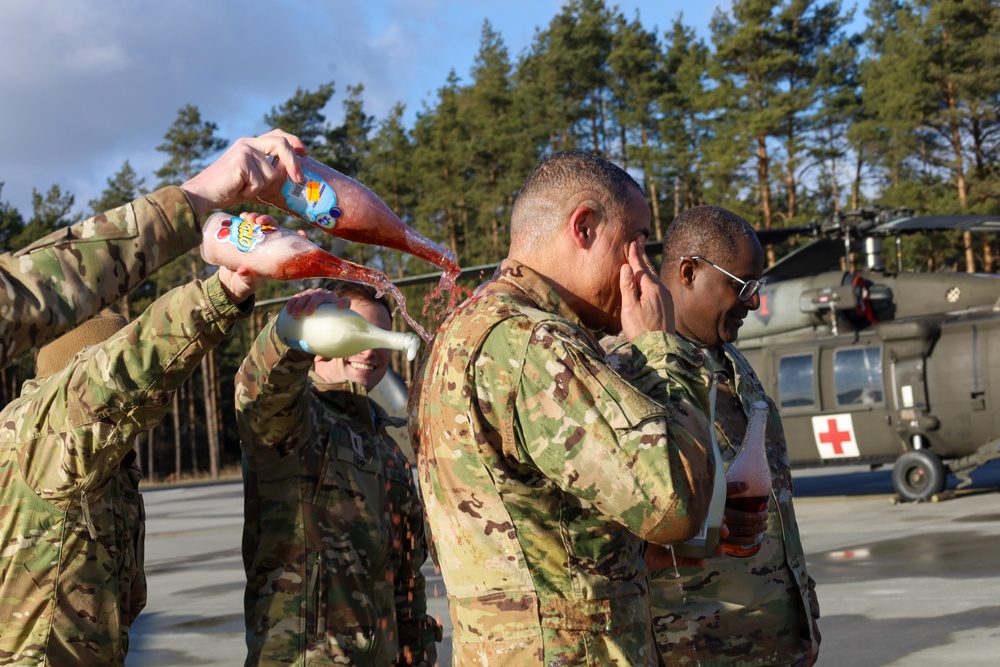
x=177 y=435
x=193 y=431
x=211 y=432
x=989 y=259
x=764 y=186
x=150 y=471
x=650 y=179
x=970 y=253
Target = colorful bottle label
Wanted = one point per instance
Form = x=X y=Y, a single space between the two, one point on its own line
x=314 y=201
x=243 y=234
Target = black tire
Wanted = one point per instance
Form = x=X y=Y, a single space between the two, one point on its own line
x=918 y=475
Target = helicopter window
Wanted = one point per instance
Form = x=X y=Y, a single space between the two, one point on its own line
x=795 y=381
x=857 y=374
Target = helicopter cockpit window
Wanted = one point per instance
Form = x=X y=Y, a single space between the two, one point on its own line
x=857 y=374
x=795 y=381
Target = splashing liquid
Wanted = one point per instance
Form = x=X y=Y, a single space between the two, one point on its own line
x=282 y=254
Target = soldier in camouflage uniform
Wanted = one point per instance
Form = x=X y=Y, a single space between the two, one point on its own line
x=542 y=470
x=733 y=612
x=71 y=559
x=67 y=276
x=333 y=528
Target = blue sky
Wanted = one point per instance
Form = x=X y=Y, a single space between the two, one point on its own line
x=87 y=84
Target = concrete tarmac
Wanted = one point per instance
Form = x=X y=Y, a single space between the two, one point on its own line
x=914 y=585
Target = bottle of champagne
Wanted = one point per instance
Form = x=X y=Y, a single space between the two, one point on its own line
x=750 y=466
x=333 y=332
x=703 y=545
x=343 y=207
x=281 y=254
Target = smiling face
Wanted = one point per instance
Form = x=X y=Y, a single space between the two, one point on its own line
x=366 y=368
x=711 y=310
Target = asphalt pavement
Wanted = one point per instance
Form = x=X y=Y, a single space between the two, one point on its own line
x=902 y=585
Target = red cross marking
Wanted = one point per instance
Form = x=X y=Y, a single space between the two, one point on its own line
x=834 y=437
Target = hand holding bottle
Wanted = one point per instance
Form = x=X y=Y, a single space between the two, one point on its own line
x=745 y=526
x=256 y=241
x=749 y=487
x=318 y=323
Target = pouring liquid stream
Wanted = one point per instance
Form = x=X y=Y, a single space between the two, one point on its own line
x=281 y=254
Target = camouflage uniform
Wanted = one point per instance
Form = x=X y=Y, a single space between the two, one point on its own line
x=540 y=469
x=71 y=560
x=71 y=274
x=735 y=612
x=333 y=536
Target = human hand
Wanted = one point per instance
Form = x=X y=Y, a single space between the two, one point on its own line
x=240 y=284
x=661 y=558
x=306 y=303
x=744 y=527
x=244 y=171
x=646 y=303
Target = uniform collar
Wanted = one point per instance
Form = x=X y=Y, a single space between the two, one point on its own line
x=539 y=291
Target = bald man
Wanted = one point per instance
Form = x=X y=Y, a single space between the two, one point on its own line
x=729 y=611
x=542 y=470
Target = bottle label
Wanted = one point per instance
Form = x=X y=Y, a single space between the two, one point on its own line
x=314 y=201
x=243 y=234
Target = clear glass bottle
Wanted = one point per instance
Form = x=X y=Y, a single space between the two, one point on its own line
x=333 y=332
x=703 y=545
x=750 y=466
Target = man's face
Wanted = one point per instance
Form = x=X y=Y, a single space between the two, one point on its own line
x=610 y=251
x=712 y=311
x=366 y=368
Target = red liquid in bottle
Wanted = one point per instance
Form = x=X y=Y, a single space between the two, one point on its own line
x=750 y=466
x=343 y=207
x=281 y=254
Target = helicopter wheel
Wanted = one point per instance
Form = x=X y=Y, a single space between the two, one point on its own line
x=918 y=475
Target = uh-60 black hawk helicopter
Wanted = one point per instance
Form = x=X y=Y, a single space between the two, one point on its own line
x=876 y=366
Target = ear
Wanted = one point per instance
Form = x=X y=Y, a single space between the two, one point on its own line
x=582 y=223
x=684 y=272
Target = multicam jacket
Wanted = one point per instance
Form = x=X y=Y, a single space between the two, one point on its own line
x=71 y=556
x=735 y=612
x=71 y=274
x=333 y=536
x=542 y=471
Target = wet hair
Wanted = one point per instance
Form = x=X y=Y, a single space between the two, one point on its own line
x=357 y=291
x=708 y=231
x=567 y=171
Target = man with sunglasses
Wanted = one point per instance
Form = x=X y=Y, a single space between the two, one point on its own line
x=762 y=609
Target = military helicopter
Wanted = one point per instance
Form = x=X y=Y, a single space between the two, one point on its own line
x=875 y=366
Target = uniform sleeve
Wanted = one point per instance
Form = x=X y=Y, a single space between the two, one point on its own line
x=71 y=274
x=113 y=391
x=271 y=399
x=605 y=440
x=418 y=633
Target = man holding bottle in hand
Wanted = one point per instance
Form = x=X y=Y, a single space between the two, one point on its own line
x=728 y=611
x=333 y=538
